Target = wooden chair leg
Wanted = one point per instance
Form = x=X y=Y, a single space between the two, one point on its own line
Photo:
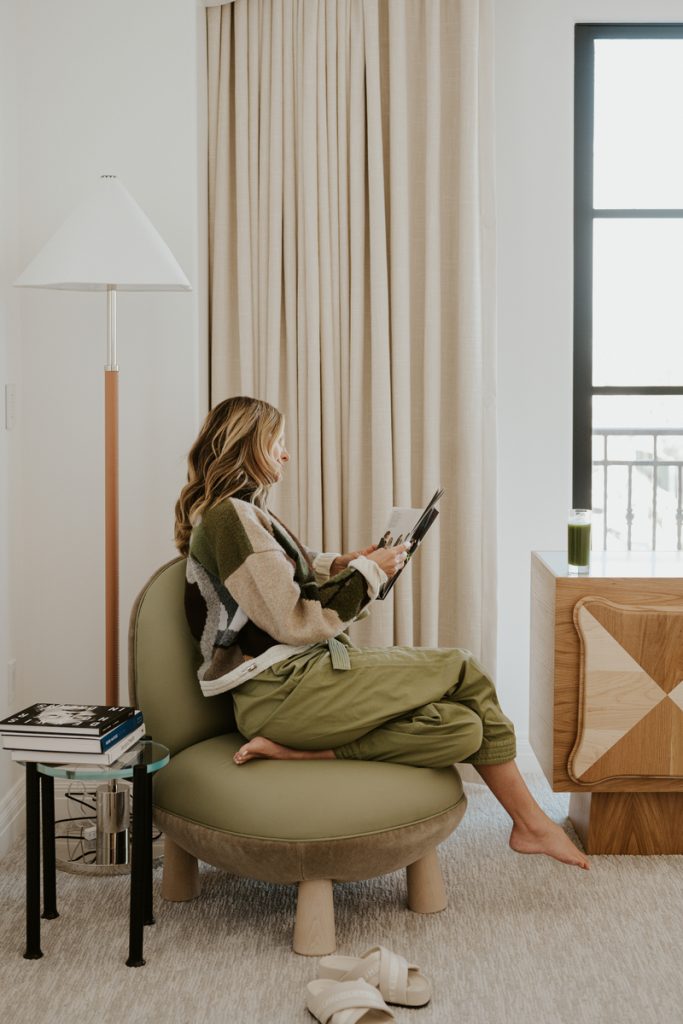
x=426 y=890
x=180 y=879
x=314 y=925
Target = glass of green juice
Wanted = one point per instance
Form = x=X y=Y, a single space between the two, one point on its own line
x=579 y=540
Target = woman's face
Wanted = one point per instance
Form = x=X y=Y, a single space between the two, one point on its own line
x=280 y=453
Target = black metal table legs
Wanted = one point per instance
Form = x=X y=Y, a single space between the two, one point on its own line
x=47 y=797
x=149 y=902
x=33 y=950
x=40 y=791
x=141 y=866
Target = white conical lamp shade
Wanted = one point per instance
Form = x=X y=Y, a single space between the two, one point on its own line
x=106 y=241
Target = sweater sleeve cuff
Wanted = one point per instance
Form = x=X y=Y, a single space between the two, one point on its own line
x=323 y=563
x=374 y=576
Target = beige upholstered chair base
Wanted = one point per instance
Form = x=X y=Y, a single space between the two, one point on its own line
x=305 y=823
x=282 y=861
x=314 y=929
x=313 y=865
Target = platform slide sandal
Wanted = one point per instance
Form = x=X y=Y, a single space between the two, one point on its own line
x=346 y=1002
x=398 y=981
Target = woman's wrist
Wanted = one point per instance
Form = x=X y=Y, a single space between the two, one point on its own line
x=342 y=562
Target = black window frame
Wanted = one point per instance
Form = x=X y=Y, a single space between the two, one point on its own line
x=585 y=215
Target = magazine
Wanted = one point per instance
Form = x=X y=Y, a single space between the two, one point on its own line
x=67 y=719
x=408 y=526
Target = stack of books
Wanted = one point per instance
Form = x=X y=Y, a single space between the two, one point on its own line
x=71 y=733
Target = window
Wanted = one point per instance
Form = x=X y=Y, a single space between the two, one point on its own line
x=628 y=284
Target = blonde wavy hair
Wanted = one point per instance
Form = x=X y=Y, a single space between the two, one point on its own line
x=231 y=456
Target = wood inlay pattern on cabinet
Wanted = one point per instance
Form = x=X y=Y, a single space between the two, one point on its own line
x=556 y=661
x=621 y=736
x=631 y=661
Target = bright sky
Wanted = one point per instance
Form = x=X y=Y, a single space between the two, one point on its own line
x=638 y=264
x=638 y=123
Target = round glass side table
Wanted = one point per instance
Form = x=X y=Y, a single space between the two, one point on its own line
x=139 y=764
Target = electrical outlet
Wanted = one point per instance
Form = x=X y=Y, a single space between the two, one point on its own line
x=12 y=684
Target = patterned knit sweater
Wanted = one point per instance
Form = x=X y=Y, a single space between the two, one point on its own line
x=252 y=598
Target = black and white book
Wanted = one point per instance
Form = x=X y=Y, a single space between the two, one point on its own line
x=105 y=757
x=408 y=526
x=67 y=719
x=28 y=740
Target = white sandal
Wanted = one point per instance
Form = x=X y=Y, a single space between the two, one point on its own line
x=346 y=1002
x=398 y=981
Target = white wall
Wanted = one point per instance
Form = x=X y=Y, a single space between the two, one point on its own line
x=101 y=88
x=9 y=373
x=534 y=167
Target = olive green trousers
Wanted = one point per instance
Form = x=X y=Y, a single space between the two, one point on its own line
x=429 y=707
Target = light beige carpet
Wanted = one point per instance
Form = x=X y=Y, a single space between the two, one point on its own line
x=525 y=940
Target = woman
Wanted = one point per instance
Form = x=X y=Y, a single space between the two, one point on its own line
x=269 y=616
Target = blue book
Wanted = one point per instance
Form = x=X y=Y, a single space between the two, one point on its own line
x=117 y=733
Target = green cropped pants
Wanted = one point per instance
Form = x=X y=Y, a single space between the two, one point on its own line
x=429 y=707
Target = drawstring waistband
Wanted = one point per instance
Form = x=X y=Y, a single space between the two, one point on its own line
x=339 y=655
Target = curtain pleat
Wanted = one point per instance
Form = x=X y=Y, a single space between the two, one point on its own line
x=351 y=265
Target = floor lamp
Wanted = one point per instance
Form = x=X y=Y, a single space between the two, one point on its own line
x=107 y=244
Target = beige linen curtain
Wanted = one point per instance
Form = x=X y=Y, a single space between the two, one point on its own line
x=351 y=279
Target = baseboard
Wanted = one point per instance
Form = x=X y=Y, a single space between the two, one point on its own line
x=12 y=824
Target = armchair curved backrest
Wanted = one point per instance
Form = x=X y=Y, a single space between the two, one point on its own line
x=162 y=667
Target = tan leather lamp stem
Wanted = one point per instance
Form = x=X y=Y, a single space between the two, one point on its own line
x=111 y=529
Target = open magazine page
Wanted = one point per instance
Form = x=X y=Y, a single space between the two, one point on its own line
x=407 y=526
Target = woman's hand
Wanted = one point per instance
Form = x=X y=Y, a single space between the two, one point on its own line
x=342 y=561
x=390 y=559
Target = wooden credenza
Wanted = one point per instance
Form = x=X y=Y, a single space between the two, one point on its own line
x=606 y=703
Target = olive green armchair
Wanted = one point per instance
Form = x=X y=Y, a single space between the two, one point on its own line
x=298 y=822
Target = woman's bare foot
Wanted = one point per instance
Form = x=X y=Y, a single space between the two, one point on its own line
x=549 y=838
x=532 y=831
x=263 y=748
